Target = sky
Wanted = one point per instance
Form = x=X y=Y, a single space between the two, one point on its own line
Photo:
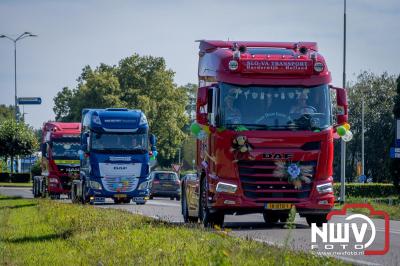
x=73 y=34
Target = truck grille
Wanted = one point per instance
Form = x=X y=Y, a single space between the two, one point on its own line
x=259 y=183
x=120 y=184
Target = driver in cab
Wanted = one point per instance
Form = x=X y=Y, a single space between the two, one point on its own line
x=302 y=107
x=232 y=114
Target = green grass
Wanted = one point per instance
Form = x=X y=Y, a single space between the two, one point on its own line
x=392 y=210
x=42 y=232
x=6 y=184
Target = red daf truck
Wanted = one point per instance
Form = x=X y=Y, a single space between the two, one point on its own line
x=266 y=138
x=60 y=160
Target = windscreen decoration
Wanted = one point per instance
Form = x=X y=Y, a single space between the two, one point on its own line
x=241 y=149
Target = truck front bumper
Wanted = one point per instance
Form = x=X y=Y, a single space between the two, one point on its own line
x=238 y=204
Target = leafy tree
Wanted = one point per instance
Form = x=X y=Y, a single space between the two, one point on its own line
x=6 y=112
x=137 y=82
x=191 y=92
x=395 y=163
x=378 y=93
x=16 y=139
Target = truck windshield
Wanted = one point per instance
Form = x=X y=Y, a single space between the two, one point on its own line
x=112 y=142
x=65 y=148
x=275 y=108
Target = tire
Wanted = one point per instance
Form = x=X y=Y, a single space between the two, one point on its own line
x=151 y=197
x=283 y=217
x=84 y=199
x=207 y=218
x=74 y=196
x=318 y=219
x=270 y=218
x=34 y=189
x=140 y=203
x=171 y=198
x=126 y=201
x=185 y=211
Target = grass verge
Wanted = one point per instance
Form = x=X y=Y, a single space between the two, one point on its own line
x=6 y=184
x=392 y=210
x=41 y=232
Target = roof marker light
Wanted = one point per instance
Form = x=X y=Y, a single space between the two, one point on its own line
x=233 y=65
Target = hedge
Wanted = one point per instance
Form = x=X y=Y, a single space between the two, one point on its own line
x=15 y=178
x=4 y=177
x=368 y=190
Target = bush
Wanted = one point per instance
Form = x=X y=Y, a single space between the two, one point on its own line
x=369 y=190
x=4 y=177
x=20 y=178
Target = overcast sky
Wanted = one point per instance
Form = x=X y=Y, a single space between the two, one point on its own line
x=75 y=33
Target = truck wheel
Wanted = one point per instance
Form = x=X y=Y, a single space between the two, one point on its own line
x=171 y=198
x=85 y=198
x=185 y=211
x=151 y=197
x=270 y=218
x=74 y=197
x=318 y=219
x=34 y=188
x=43 y=190
x=208 y=219
x=283 y=217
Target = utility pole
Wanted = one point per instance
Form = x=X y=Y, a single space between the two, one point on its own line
x=362 y=138
x=20 y=37
x=342 y=143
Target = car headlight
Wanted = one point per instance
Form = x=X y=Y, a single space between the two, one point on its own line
x=324 y=188
x=143 y=185
x=95 y=185
x=226 y=187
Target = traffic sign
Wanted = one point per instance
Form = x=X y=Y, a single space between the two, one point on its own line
x=29 y=100
x=394 y=153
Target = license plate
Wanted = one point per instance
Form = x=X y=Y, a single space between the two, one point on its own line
x=138 y=199
x=120 y=196
x=99 y=199
x=278 y=206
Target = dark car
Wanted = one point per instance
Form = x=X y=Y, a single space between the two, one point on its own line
x=165 y=184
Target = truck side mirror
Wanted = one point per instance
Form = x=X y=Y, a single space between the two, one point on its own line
x=43 y=149
x=202 y=106
x=342 y=106
x=84 y=148
x=153 y=140
x=85 y=142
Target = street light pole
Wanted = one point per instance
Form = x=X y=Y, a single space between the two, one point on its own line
x=342 y=143
x=20 y=37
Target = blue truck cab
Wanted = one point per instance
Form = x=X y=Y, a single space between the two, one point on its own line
x=114 y=159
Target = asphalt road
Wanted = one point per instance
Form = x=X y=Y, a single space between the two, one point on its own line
x=252 y=226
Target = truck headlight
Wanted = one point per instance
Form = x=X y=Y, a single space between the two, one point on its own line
x=325 y=188
x=53 y=180
x=143 y=185
x=95 y=185
x=226 y=187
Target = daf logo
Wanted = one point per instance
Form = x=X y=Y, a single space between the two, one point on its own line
x=277 y=156
x=120 y=167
